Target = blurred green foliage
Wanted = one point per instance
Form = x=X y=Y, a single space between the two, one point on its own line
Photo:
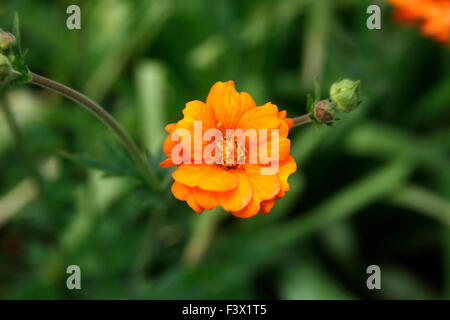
x=373 y=189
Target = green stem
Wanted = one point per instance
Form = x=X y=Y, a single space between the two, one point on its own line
x=106 y=118
x=301 y=120
x=203 y=234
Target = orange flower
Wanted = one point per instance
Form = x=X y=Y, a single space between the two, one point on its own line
x=239 y=187
x=434 y=15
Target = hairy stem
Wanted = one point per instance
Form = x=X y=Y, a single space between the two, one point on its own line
x=106 y=118
x=301 y=120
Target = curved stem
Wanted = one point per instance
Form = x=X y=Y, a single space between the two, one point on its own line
x=106 y=118
x=301 y=120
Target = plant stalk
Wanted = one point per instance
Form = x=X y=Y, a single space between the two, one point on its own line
x=301 y=120
x=106 y=118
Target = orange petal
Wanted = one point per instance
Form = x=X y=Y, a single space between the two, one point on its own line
x=168 y=145
x=287 y=167
x=171 y=127
x=266 y=206
x=200 y=111
x=233 y=200
x=238 y=198
x=228 y=104
x=284 y=129
x=264 y=117
x=194 y=111
x=167 y=163
x=249 y=211
x=289 y=122
x=283 y=148
x=264 y=187
x=206 y=177
x=184 y=193
x=207 y=199
x=282 y=115
x=280 y=194
x=195 y=206
x=180 y=191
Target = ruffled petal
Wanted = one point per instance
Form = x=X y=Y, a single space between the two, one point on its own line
x=264 y=117
x=180 y=191
x=266 y=206
x=287 y=167
x=194 y=205
x=184 y=193
x=167 y=163
x=249 y=211
x=199 y=111
x=171 y=127
x=238 y=198
x=207 y=199
x=264 y=187
x=206 y=177
x=283 y=148
x=228 y=104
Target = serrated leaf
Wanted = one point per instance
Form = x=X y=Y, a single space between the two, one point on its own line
x=153 y=162
x=115 y=163
x=107 y=167
x=118 y=155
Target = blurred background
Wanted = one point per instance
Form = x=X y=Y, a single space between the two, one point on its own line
x=373 y=189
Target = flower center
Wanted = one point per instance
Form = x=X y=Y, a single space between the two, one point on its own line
x=233 y=153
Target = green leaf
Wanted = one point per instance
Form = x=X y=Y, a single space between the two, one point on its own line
x=379 y=184
x=116 y=163
x=424 y=201
x=107 y=167
x=19 y=65
x=152 y=87
x=309 y=280
x=16 y=31
x=18 y=59
x=316 y=122
x=317 y=90
x=309 y=103
x=402 y=284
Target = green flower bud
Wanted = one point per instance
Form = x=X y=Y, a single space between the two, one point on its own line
x=345 y=94
x=7 y=40
x=5 y=69
x=324 y=111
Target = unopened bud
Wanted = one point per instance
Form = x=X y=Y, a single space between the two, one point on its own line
x=7 y=40
x=5 y=69
x=324 y=111
x=345 y=94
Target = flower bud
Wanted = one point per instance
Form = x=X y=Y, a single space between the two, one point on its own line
x=5 y=69
x=6 y=40
x=345 y=94
x=324 y=111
